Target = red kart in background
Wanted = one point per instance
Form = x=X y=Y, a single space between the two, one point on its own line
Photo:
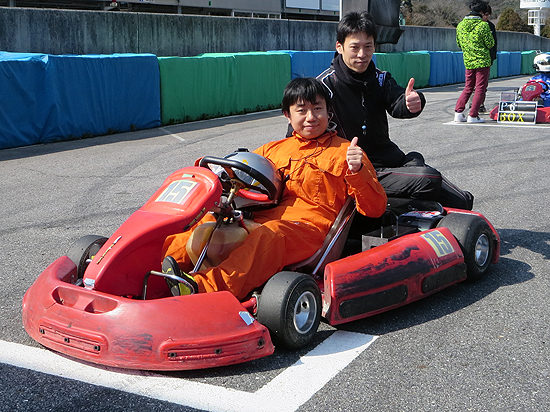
x=107 y=301
x=536 y=90
x=530 y=92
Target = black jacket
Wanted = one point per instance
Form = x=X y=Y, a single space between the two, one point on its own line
x=360 y=104
x=493 y=50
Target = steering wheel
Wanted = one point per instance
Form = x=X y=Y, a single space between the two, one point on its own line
x=544 y=85
x=235 y=170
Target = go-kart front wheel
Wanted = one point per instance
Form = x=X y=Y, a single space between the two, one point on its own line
x=290 y=307
x=83 y=249
x=476 y=240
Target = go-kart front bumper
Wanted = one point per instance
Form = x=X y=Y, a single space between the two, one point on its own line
x=175 y=333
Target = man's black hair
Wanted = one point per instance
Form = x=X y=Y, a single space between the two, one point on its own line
x=304 y=89
x=479 y=6
x=355 y=22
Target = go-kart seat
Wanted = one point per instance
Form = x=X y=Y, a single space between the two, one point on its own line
x=399 y=205
x=332 y=246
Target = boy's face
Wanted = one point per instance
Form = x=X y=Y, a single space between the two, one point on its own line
x=357 y=51
x=307 y=119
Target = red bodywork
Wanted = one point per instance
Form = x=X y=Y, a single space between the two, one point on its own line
x=108 y=323
x=396 y=273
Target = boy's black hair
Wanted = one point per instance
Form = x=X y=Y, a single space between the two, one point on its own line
x=479 y=6
x=304 y=89
x=355 y=22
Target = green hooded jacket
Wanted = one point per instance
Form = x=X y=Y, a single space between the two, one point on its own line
x=474 y=37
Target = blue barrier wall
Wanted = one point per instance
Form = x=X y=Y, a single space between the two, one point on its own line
x=509 y=63
x=309 y=63
x=448 y=67
x=47 y=98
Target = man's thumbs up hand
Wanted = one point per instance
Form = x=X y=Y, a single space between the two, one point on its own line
x=412 y=99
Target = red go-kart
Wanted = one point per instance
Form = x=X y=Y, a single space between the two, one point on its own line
x=531 y=92
x=107 y=301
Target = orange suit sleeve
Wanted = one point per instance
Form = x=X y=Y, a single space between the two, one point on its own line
x=370 y=197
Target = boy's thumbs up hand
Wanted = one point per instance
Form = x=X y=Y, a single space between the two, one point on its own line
x=354 y=156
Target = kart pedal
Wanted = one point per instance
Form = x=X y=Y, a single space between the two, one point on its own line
x=180 y=283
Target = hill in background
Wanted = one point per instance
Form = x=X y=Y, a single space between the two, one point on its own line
x=447 y=13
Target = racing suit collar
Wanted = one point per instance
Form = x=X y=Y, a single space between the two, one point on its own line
x=321 y=140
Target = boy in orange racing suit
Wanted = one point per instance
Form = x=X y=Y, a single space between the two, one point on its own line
x=321 y=170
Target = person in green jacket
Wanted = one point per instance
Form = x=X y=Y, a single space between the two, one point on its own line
x=474 y=37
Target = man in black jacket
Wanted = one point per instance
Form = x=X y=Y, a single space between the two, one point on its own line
x=361 y=96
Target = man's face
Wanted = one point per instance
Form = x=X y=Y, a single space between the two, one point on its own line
x=357 y=51
x=309 y=120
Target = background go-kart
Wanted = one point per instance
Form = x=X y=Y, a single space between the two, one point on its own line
x=478 y=347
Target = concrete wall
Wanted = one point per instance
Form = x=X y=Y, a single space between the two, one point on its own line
x=440 y=39
x=92 y=32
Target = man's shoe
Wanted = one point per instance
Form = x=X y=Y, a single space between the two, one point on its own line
x=185 y=285
x=482 y=109
x=459 y=117
x=475 y=119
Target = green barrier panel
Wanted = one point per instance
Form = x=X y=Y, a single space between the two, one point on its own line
x=393 y=63
x=221 y=84
x=403 y=66
x=493 y=74
x=192 y=88
x=263 y=77
x=417 y=65
x=527 y=58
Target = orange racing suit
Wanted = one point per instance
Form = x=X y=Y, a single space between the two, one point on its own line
x=317 y=184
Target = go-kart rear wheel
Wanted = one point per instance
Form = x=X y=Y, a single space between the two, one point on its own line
x=290 y=307
x=83 y=249
x=476 y=240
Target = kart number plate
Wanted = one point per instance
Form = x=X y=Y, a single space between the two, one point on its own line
x=438 y=242
x=177 y=191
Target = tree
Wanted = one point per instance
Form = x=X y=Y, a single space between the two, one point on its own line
x=509 y=20
x=545 y=31
x=433 y=13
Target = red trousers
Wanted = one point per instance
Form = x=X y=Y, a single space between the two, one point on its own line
x=266 y=251
x=477 y=79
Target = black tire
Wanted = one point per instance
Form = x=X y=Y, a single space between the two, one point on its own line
x=83 y=249
x=290 y=307
x=476 y=239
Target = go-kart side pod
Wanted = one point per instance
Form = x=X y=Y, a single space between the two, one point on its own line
x=392 y=275
x=176 y=333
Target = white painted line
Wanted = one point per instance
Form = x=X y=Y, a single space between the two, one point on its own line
x=175 y=136
x=493 y=124
x=285 y=393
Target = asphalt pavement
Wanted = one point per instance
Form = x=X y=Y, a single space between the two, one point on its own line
x=480 y=346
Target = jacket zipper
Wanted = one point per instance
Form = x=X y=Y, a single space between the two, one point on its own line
x=364 y=127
